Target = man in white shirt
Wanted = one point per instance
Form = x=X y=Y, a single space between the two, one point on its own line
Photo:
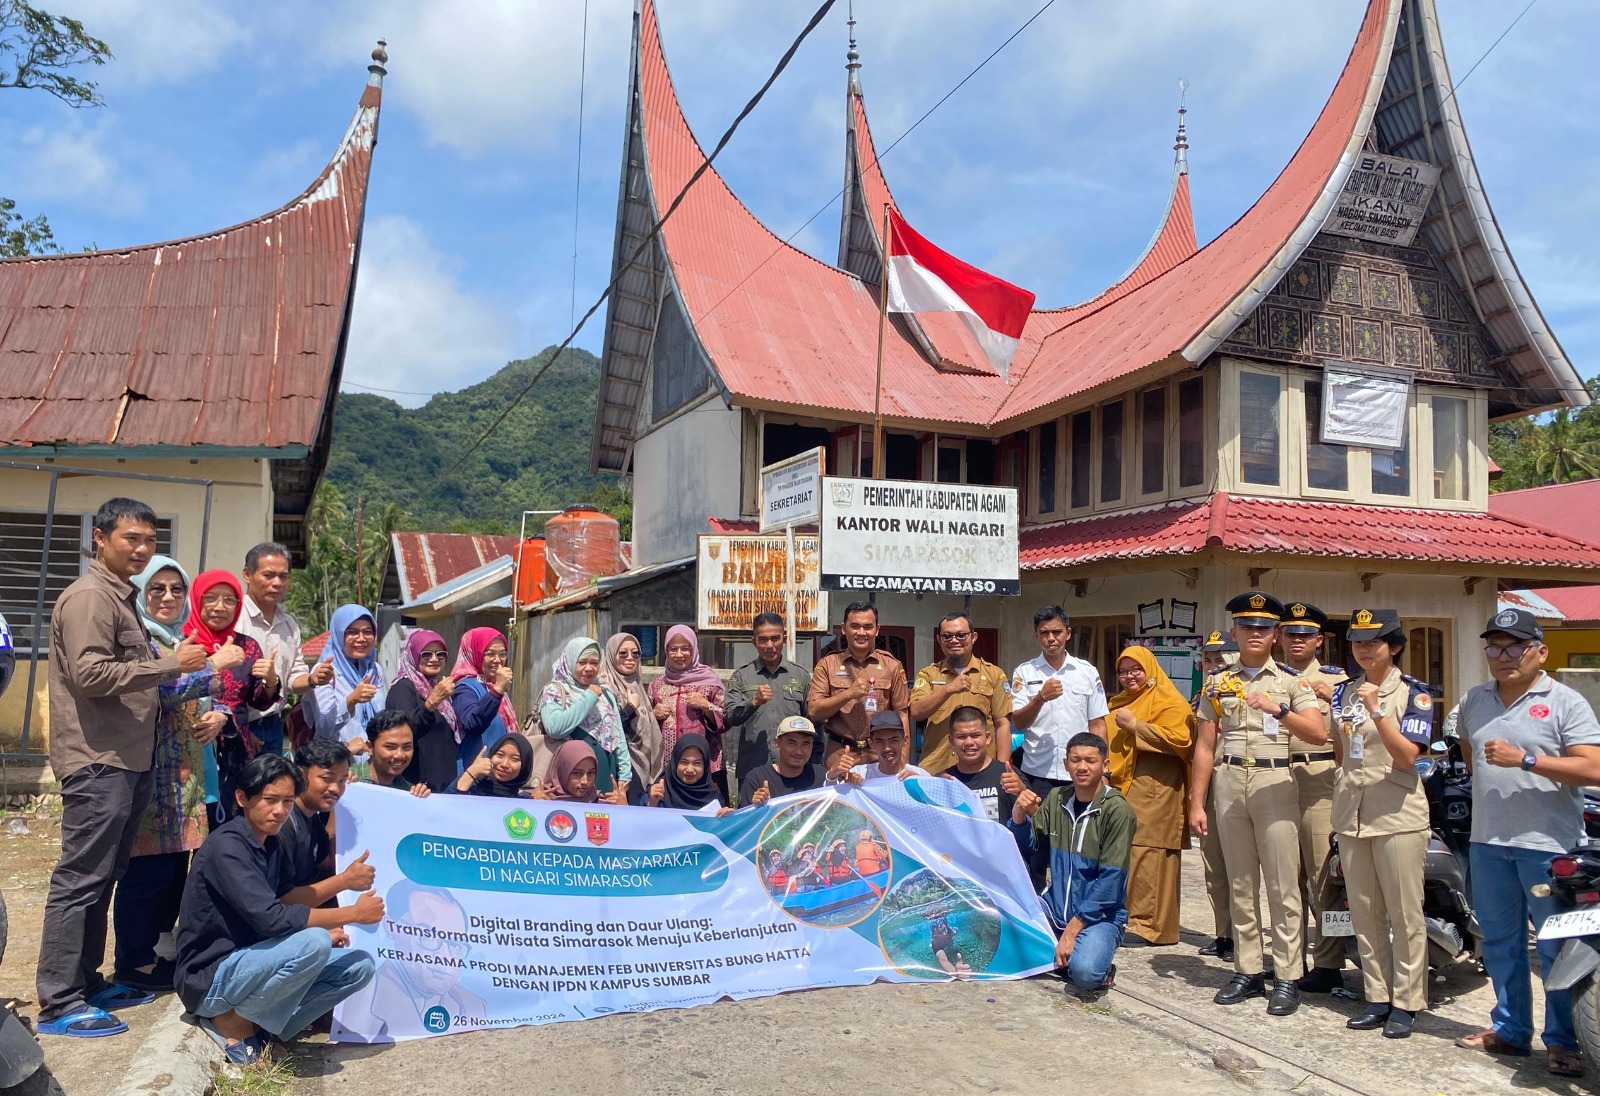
x=1054 y=697
x=266 y=580
x=888 y=738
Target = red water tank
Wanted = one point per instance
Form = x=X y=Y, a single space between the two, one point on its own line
x=580 y=544
x=530 y=571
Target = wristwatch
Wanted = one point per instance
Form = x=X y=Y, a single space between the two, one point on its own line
x=1283 y=710
x=1529 y=760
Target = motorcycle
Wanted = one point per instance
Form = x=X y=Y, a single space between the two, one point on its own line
x=1575 y=880
x=20 y=1053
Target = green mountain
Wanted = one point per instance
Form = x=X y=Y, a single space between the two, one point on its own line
x=537 y=459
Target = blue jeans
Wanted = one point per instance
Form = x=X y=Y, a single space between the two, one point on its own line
x=1501 y=876
x=282 y=985
x=1092 y=954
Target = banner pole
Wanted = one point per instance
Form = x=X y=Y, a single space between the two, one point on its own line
x=788 y=591
x=883 y=322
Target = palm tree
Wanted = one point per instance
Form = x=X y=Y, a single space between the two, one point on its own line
x=1561 y=451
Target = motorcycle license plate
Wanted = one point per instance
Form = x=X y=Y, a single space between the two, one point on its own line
x=1338 y=923
x=1559 y=926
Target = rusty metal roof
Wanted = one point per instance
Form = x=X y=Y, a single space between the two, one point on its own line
x=230 y=340
x=425 y=561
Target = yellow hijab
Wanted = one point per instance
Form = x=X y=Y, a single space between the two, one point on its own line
x=1158 y=703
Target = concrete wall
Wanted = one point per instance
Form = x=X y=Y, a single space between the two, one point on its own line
x=241 y=517
x=684 y=471
x=1586 y=682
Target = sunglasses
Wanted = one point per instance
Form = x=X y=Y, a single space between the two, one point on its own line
x=1515 y=651
x=160 y=590
x=428 y=656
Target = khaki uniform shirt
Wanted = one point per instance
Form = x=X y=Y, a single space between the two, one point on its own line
x=987 y=693
x=104 y=673
x=1244 y=732
x=1334 y=676
x=835 y=674
x=1375 y=797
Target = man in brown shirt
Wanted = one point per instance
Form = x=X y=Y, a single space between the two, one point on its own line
x=848 y=687
x=104 y=675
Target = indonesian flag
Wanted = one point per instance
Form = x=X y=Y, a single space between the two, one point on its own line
x=924 y=279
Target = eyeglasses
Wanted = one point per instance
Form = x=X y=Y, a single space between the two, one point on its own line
x=224 y=601
x=1135 y=672
x=954 y=637
x=1494 y=650
x=159 y=590
x=360 y=633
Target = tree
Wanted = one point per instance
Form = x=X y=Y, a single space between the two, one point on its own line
x=1561 y=451
x=37 y=50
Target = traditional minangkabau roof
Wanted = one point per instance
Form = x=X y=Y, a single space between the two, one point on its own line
x=1213 y=529
x=779 y=330
x=230 y=342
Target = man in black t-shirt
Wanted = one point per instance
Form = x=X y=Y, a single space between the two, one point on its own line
x=793 y=771
x=982 y=775
x=304 y=838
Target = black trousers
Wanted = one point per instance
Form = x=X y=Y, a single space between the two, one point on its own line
x=101 y=807
x=146 y=905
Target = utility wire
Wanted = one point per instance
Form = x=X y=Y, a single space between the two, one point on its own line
x=705 y=165
x=577 y=185
x=1456 y=86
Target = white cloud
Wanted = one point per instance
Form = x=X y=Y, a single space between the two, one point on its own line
x=160 y=43
x=415 y=328
x=76 y=164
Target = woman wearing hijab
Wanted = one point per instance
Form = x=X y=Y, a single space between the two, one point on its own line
x=148 y=895
x=685 y=785
x=571 y=776
x=620 y=673
x=340 y=709
x=576 y=705
x=1152 y=738
x=422 y=691
x=687 y=699
x=481 y=702
x=500 y=770
x=215 y=601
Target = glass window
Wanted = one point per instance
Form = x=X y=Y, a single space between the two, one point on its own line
x=1391 y=469
x=1450 y=437
x=1327 y=466
x=1191 y=432
x=1152 y=441
x=1046 y=458
x=1111 y=452
x=1259 y=429
x=1082 y=457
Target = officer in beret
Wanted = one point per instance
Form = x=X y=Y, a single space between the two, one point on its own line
x=1314 y=769
x=1216 y=653
x=1380 y=812
x=1249 y=714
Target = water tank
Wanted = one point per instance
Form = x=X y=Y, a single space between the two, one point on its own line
x=580 y=545
x=530 y=571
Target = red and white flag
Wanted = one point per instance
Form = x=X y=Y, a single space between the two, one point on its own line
x=924 y=279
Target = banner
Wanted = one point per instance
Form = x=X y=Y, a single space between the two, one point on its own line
x=1364 y=406
x=508 y=912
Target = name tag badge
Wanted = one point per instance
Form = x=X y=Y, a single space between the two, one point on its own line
x=1269 y=724
x=1356 y=747
x=869 y=703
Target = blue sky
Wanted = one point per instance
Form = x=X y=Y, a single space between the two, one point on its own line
x=1050 y=167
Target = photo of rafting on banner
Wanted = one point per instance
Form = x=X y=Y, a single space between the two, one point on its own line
x=825 y=863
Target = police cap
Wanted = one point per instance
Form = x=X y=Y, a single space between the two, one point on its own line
x=1256 y=609
x=1219 y=642
x=1374 y=624
x=1304 y=617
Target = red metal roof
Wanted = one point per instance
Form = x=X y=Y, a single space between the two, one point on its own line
x=1278 y=527
x=231 y=339
x=747 y=526
x=1573 y=508
x=1579 y=604
x=425 y=560
x=312 y=648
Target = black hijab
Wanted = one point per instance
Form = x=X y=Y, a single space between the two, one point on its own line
x=506 y=789
x=689 y=797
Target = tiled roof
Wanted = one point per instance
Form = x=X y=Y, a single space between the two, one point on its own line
x=425 y=561
x=1276 y=527
x=1579 y=604
x=312 y=648
x=1573 y=508
x=1531 y=602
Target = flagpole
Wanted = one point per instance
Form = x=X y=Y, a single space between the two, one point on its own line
x=883 y=322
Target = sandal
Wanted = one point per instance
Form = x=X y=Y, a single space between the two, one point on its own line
x=246 y=1052
x=82 y=1023
x=1492 y=1041
x=114 y=997
x=1564 y=1062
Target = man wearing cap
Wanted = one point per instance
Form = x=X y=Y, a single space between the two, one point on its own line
x=792 y=772
x=958 y=680
x=1248 y=715
x=1532 y=743
x=888 y=741
x=1314 y=769
x=1218 y=651
x=1380 y=812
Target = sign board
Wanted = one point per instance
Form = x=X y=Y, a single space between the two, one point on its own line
x=791 y=490
x=1179 y=659
x=926 y=538
x=1364 y=406
x=740 y=576
x=1384 y=199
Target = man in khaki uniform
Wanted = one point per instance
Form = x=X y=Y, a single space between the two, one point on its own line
x=1314 y=769
x=958 y=680
x=1248 y=714
x=850 y=686
x=1216 y=653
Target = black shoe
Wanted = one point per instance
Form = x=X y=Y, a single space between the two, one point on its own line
x=1399 y=1025
x=1214 y=947
x=1242 y=988
x=1369 y=1018
x=1285 y=998
x=157 y=980
x=1225 y=949
x=1134 y=940
x=1321 y=980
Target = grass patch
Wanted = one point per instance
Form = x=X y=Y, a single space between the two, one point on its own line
x=261 y=1079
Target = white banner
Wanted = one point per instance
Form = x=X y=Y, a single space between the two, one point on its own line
x=740 y=576
x=1364 y=407
x=507 y=912
x=791 y=490
x=1384 y=199
x=933 y=538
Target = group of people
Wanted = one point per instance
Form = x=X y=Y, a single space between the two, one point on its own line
x=173 y=700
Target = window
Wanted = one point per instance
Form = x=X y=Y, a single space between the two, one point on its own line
x=1451 y=437
x=1391 y=469
x=649 y=637
x=1111 y=452
x=1192 y=432
x=1152 y=441
x=1046 y=459
x=1259 y=428
x=1327 y=466
x=1082 y=442
x=1427 y=658
x=948 y=469
x=899 y=456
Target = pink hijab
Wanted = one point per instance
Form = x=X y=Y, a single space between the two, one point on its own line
x=469 y=663
x=697 y=675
